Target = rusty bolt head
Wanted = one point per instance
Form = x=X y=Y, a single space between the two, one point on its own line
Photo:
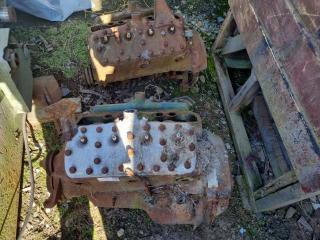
x=187 y=164
x=105 y=39
x=140 y=167
x=114 y=138
x=162 y=127
x=150 y=32
x=163 y=142
x=130 y=135
x=97 y=161
x=171 y=167
x=172 y=29
x=156 y=168
x=192 y=147
x=129 y=36
x=89 y=170
x=121 y=168
x=68 y=152
x=99 y=129
x=147 y=127
x=83 y=139
x=114 y=129
x=83 y=129
x=72 y=169
x=164 y=157
x=98 y=144
x=104 y=170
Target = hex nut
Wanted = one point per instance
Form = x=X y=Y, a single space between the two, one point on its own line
x=98 y=144
x=72 y=169
x=140 y=167
x=164 y=157
x=99 y=129
x=104 y=170
x=156 y=168
x=187 y=164
x=192 y=147
x=163 y=142
x=83 y=140
x=68 y=152
x=97 y=160
x=162 y=127
x=89 y=171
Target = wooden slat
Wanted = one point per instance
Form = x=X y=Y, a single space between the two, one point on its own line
x=246 y=94
x=270 y=138
x=238 y=131
x=282 y=198
x=238 y=63
x=277 y=184
x=225 y=32
x=233 y=44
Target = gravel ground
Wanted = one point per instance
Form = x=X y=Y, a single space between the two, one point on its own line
x=79 y=219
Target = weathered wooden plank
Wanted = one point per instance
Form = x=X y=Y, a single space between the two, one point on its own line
x=233 y=44
x=238 y=63
x=296 y=52
x=277 y=184
x=246 y=94
x=270 y=138
x=296 y=134
x=238 y=131
x=226 y=29
x=282 y=198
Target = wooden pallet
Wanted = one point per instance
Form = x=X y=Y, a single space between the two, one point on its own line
x=271 y=109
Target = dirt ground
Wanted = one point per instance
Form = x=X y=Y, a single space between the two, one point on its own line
x=79 y=219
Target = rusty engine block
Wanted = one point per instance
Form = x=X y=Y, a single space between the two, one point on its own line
x=159 y=161
x=143 y=43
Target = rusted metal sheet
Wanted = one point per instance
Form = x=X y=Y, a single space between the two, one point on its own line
x=285 y=60
x=145 y=45
x=161 y=162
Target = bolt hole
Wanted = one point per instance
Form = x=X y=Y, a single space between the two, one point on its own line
x=151 y=18
x=177 y=16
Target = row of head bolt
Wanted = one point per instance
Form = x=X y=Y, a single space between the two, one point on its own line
x=140 y=167
x=129 y=35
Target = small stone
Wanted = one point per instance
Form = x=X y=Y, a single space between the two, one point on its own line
x=47 y=210
x=202 y=79
x=228 y=146
x=120 y=233
x=290 y=213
